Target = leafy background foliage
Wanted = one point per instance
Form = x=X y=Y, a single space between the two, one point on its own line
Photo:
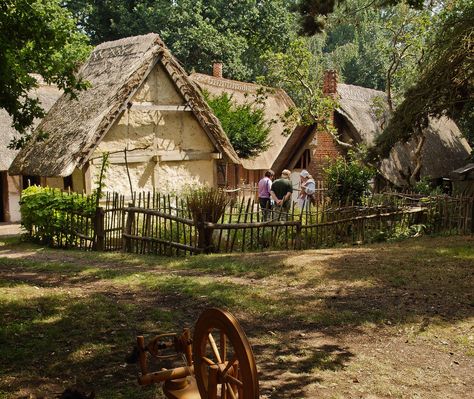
x=244 y=124
x=445 y=85
x=198 y=32
x=36 y=36
x=348 y=180
x=49 y=211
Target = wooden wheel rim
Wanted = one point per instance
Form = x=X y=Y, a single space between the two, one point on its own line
x=216 y=319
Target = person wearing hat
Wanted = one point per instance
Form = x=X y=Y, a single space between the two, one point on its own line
x=281 y=192
x=308 y=188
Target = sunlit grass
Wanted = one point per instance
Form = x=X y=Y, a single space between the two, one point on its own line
x=74 y=315
x=463 y=252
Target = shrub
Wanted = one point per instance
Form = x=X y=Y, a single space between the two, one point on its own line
x=348 y=180
x=425 y=187
x=44 y=211
x=206 y=204
x=244 y=124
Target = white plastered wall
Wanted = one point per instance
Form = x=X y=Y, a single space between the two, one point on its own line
x=54 y=182
x=150 y=136
x=78 y=181
x=14 y=190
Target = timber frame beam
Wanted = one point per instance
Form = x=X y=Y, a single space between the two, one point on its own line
x=148 y=106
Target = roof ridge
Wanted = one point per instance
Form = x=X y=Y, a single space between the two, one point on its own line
x=240 y=86
x=116 y=70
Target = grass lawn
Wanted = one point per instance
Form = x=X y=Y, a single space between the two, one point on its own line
x=379 y=321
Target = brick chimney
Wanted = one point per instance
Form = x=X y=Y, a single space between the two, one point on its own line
x=324 y=148
x=330 y=82
x=217 y=69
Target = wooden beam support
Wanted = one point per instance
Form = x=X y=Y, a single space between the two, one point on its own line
x=170 y=156
x=132 y=157
x=159 y=156
x=147 y=106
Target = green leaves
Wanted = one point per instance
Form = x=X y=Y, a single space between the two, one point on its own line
x=36 y=36
x=445 y=85
x=198 y=32
x=348 y=180
x=244 y=124
x=47 y=213
x=299 y=73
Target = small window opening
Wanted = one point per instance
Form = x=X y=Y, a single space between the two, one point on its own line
x=304 y=161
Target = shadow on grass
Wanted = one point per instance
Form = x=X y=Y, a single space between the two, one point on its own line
x=76 y=341
x=77 y=266
x=292 y=369
x=89 y=336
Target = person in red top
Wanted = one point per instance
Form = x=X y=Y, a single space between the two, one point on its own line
x=264 y=188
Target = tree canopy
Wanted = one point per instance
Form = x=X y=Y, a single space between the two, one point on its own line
x=198 y=32
x=312 y=13
x=445 y=86
x=36 y=36
x=377 y=48
x=419 y=53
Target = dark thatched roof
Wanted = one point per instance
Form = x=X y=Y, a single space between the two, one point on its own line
x=47 y=94
x=299 y=137
x=365 y=112
x=277 y=102
x=115 y=71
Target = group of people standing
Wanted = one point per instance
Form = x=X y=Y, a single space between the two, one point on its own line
x=277 y=194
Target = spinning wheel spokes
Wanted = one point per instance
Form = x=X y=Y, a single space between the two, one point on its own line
x=215 y=350
x=216 y=376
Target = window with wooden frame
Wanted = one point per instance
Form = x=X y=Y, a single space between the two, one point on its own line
x=304 y=160
x=222 y=174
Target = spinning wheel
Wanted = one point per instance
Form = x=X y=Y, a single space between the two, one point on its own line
x=219 y=362
x=223 y=359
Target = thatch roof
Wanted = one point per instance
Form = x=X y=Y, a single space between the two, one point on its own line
x=115 y=71
x=47 y=94
x=365 y=112
x=276 y=104
x=464 y=170
x=300 y=136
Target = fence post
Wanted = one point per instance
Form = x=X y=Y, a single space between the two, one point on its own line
x=99 y=228
x=204 y=237
x=127 y=229
x=472 y=215
x=298 y=240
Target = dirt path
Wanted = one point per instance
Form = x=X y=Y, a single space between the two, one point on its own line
x=10 y=229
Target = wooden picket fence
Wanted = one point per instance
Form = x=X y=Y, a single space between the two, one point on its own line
x=163 y=225
x=152 y=223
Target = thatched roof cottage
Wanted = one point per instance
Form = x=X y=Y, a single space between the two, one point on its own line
x=359 y=119
x=11 y=186
x=144 y=111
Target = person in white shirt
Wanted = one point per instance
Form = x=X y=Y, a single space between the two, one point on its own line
x=308 y=189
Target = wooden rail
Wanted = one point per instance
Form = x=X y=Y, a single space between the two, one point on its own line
x=160 y=224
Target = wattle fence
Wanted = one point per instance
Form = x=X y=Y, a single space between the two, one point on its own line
x=159 y=224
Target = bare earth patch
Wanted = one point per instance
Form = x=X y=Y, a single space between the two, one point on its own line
x=381 y=321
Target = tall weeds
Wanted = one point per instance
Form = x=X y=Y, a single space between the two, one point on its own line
x=207 y=204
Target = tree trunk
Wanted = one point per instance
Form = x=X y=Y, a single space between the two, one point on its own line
x=417 y=158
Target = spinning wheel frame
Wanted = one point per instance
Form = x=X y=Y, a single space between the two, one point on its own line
x=237 y=376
